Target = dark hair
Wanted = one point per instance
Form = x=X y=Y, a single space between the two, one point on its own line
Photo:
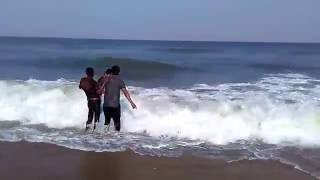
x=90 y=71
x=115 y=70
x=108 y=71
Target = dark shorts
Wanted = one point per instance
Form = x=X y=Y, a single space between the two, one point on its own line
x=94 y=111
x=115 y=114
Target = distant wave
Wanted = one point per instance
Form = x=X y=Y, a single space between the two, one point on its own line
x=305 y=52
x=282 y=67
x=102 y=63
x=135 y=69
x=185 y=50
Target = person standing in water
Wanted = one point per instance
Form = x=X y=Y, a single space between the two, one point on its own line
x=91 y=89
x=103 y=81
x=111 y=105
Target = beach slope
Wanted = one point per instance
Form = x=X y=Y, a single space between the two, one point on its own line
x=39 y=161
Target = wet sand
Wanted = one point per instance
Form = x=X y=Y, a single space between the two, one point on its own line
x=39 y=161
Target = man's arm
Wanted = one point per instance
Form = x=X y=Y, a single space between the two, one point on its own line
x=127 y=95
x=102 y=83
x=81 y=83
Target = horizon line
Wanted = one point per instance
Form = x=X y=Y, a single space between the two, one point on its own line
x=160 y=40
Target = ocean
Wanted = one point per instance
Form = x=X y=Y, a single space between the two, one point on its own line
x=220 y=100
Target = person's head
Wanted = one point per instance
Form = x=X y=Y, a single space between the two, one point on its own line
x=89 y=71
x=115 y=70
x=108 y=71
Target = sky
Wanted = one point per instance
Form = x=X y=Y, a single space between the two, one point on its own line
x=196 y=20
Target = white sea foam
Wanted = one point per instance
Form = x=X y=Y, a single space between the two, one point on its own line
x=281 y=108
x=56 y=104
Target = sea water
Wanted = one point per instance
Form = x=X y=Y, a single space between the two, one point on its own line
x=226 y=100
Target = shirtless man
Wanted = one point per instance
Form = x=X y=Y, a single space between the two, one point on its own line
x=91 y=88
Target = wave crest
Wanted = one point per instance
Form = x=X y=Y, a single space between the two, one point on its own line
x=277 y=109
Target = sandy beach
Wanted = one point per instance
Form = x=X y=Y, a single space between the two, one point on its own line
x=39 y=161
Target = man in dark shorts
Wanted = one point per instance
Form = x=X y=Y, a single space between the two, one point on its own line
x=90 y=87
x=111 y=105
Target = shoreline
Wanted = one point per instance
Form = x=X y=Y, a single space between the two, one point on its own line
x=24 y=160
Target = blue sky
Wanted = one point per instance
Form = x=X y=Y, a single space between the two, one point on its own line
x=211 y=20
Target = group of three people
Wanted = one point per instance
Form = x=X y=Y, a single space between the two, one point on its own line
x=109 y=85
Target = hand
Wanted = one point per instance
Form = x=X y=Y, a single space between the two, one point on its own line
x=133 y=106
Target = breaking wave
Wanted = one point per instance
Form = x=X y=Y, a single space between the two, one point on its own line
x=277 y=109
